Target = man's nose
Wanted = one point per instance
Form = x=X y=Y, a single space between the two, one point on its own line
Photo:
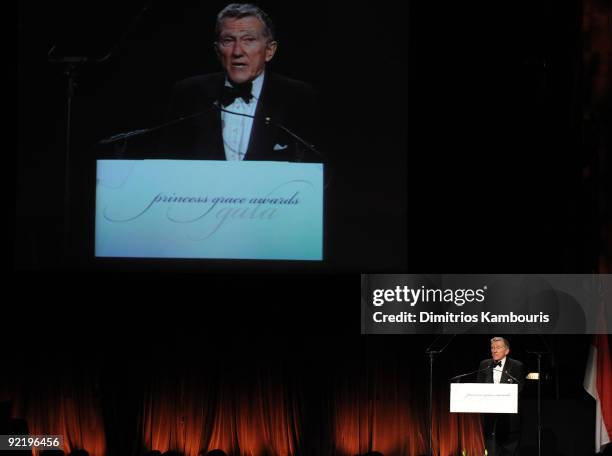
x=237 y=50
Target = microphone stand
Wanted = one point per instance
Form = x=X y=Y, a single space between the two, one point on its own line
x=125 y=136
x=457 y=377
x=539 y=356
x=215 y=105
x=71 y=64
x=268 y=121
x=432 y=352
x=309 y=146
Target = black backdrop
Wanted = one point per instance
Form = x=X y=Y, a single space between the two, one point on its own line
x=494 y=176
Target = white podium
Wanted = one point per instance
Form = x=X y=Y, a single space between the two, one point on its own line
x=209 y=209
x=483 y=398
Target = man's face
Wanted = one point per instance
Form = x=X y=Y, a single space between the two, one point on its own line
x=499 y=350
x=243 y=49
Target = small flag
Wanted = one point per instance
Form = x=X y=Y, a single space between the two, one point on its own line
x=598 y=383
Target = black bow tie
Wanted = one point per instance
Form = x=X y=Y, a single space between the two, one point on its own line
x=230 y=93
x=496 y=363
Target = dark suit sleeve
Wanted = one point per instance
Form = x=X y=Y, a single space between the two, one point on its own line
x=519 y=374
x=304 y=119
x=188 y=97
x=482 y=374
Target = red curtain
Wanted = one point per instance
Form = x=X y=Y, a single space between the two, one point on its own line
x=251 y=401
x=66 y=405
x=381 y=410
x=245 y=414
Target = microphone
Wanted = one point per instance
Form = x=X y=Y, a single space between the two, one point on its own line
x=215 y=105
x=490 y=366
x=507 y=373
x=118 y=44
x=457 y=377
x=125 y=136
x=311 y=147
x=494 y=364
x=268 y=121
x=120 y=136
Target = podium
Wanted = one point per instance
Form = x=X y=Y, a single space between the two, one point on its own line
x=483 y=398
x=209 y=209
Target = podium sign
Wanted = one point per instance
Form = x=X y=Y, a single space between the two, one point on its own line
x=209 y=209
x=483 y=398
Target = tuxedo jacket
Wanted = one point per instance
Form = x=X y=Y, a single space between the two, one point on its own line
x=512 y=367
x=288 y=102
x=503 y=423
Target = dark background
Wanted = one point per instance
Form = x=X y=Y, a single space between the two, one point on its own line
x=495 y=153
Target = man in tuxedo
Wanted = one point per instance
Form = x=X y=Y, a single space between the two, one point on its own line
x=502 y=431
x=249 y=113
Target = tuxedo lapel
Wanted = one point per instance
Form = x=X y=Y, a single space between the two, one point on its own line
x=504 y=376
x=262 y=135
x=507 y=370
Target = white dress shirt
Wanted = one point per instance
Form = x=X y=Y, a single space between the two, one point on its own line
x=497 y=372
x=237 y=129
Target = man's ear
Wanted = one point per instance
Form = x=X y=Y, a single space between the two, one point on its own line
x=271 y=50
x=216 y=47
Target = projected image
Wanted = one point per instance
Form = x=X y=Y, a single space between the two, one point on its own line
x=258 y=89
x=212 y=206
